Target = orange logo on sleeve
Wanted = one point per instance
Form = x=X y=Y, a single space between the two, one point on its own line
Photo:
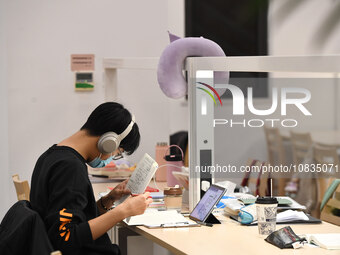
x=65 y=218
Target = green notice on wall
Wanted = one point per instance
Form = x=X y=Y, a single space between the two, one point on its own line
x=84 y=85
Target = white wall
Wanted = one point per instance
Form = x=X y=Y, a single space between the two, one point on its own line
x=158 y=116
x=43 y=107
x=5 y=179
x=299 y=27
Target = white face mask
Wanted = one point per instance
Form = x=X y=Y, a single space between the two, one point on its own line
x=98 y=162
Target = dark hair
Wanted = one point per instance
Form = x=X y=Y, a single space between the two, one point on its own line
x=113 y=117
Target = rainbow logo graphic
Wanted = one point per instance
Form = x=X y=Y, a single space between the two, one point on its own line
x=209 y=93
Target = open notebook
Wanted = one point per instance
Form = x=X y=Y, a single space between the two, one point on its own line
x=328 y=241
x=153 y=218
x=141 y=177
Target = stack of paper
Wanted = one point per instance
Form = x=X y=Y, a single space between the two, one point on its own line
x=290 y=215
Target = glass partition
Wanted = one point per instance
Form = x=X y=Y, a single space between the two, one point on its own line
x=275 y=142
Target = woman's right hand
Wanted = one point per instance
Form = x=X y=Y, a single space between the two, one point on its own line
x=136 y=205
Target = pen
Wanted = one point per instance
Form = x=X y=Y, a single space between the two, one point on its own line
x=176 y=224
x=134 y=195
x=205 y=224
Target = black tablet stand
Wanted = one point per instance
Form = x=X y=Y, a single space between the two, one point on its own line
x=212 y=219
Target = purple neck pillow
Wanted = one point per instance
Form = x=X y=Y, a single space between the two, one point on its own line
x=170 y=66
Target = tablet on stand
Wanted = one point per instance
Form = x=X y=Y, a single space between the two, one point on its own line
x=202 y=212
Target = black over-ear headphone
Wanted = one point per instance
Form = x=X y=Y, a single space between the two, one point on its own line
x=110 y=141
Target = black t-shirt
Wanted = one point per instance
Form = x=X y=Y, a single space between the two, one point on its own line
x=62 y=194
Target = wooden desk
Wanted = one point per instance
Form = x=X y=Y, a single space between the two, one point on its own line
x=230 y=238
